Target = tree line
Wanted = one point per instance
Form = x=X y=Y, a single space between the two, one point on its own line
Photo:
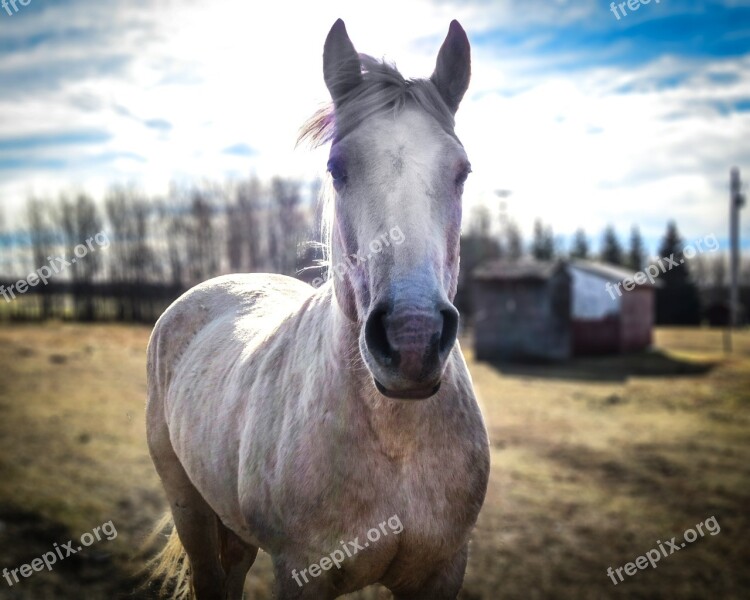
x=159 y=247
x=684 y=295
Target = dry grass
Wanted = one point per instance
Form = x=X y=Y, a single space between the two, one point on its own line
x=592 y=463
x=595 y=461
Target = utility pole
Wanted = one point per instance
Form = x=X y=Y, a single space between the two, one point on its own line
x=736 y=201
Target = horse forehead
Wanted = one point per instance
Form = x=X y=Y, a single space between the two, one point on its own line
x=411 y=133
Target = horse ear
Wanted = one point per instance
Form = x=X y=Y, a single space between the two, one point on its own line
x=341 y=68
x=453 y=68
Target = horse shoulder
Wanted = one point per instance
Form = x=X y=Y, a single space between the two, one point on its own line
x=226 y=297
x=203 y=361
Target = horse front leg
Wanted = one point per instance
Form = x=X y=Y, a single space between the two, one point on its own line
x=236 y=560
x=442 y=584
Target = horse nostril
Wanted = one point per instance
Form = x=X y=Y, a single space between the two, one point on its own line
x=450 y=329
x=376 y=337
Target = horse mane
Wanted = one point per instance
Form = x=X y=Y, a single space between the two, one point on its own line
x=383 y=89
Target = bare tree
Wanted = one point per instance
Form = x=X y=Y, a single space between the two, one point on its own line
x=286 y=226
x=80 y=220
x=203 y=255
x=133 y=260
x=42 y=240
x=244 y=227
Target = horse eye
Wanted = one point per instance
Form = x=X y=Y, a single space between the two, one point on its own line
x=337 y=171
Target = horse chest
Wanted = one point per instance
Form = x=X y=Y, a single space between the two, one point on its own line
x=429 y=486
x=436 y=484
x=431 y=494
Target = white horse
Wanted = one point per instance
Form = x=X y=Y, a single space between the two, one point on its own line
x=299 y=420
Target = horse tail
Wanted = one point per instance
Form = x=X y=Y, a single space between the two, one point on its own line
x=170 y=567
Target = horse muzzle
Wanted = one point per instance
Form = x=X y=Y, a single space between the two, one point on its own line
x=406 y=347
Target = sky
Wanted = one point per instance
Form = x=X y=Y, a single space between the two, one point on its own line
x=580 y=118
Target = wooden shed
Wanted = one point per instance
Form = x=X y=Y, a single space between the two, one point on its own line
x=536 y=310
x=522 y=311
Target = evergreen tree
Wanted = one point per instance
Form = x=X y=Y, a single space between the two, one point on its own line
x=580 y=246
x=677 y=300
x=478 y=246
x=671 y=247
x=636 y=253
x=611 y=251
x=543 y=242
x=513 y=241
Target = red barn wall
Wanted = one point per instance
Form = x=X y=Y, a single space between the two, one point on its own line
x=637 y=319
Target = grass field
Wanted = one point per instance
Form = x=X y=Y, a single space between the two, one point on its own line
x=592 y=463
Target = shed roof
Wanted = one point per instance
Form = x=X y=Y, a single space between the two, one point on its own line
x=606 y=271
x=524 y=269
x=540 y=270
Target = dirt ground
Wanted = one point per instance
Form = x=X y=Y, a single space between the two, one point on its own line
x=592 y=463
